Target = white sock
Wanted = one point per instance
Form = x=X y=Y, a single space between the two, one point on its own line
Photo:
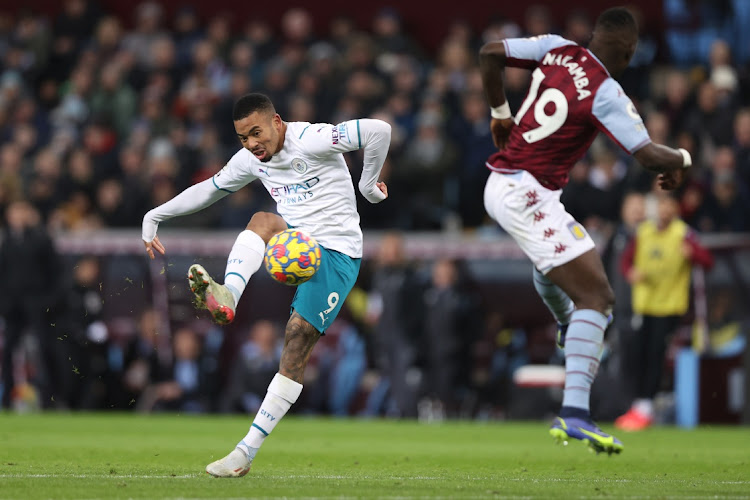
x=583 y=351
x=556 y=300
x=282 y=394
x=244 y=259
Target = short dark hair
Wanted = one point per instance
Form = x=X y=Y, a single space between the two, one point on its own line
x=615 y=19
x=249 y=104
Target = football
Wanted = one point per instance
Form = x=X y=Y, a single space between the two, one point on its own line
x=292 y=257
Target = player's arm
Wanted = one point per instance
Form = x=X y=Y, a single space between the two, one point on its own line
x=493 y=58
x=193 y=199
x=233 y=176
x=370 y=135
x=614 y=113
x=376 y=139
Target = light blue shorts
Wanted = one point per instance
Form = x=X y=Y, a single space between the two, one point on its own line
x=319 y=300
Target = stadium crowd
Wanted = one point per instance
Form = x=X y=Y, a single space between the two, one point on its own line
x=99 y=123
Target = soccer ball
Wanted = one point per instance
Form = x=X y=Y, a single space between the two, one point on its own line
x=292 y=257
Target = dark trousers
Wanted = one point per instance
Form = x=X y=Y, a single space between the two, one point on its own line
x=650 y=345
x=52 y=375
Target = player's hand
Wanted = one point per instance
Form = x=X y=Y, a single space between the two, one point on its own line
x=376 y=193
x=383 y=188
x=671 y=179
x=501 y=131
x=155 y=244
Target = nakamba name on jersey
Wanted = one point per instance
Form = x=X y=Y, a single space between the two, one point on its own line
x=571 y=99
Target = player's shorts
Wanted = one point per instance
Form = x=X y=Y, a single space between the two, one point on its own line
x=319 y=300
x=535 y=218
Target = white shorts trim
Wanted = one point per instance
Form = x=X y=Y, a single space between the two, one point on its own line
x=535 y=218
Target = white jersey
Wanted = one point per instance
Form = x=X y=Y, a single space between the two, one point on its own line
x=309 y=180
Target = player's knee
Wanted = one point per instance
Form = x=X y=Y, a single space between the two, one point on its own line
x=604 y=300
x=599 y=298
x=266 y=224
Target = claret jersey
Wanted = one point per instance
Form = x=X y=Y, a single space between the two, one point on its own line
x=570 y=99
x=309 y=180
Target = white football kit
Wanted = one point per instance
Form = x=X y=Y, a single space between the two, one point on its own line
x=308 y=179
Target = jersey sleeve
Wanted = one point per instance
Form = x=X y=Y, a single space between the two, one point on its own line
x=615 y=115
x=324 y=139
x=527 y=52
x=236 y=174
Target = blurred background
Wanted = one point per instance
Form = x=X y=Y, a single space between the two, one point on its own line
x=108 y=109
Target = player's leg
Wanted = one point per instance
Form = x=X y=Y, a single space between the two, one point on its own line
x=283 y=391
x=557 y=301
x=244 y=259
x=565 y=254
x=584 y=280
x=316 y=304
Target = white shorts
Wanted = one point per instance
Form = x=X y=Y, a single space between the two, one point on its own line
x=535 y=218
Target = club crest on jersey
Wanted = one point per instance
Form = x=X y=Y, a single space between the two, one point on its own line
x=577 y=230
x=299 y=165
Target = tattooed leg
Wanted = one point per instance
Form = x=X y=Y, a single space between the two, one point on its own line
x=285 y=388
x=299 y=340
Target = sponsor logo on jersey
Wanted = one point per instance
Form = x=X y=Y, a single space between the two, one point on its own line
x=632 y=112
x=580 y=78
x=338 y=133
x=294 y=193
x=299 y=165
x=577 y=230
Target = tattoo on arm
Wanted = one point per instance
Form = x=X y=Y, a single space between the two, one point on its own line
x=299 y=339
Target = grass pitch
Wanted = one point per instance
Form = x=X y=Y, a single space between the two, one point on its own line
x=81 y=456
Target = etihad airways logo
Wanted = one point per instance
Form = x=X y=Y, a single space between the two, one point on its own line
x=294 y=193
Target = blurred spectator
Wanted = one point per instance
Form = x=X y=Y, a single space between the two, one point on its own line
x=396 y=314
x=184 y=388
x=452 y=324
x=89 y=344
x=32 y=300
x=658 y=265
x=148 y=27
x=114 y=101
x=742 y=145
x=727 y=204
x=632 y=214
x=538 y=20
x=711 y=120
x=471 y=131
x=256 y=363
x=426 y=168
x=141 y=365
x=578 y=27
x=676 y=102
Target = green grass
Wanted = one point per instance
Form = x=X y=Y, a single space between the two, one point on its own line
x=127 y=456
